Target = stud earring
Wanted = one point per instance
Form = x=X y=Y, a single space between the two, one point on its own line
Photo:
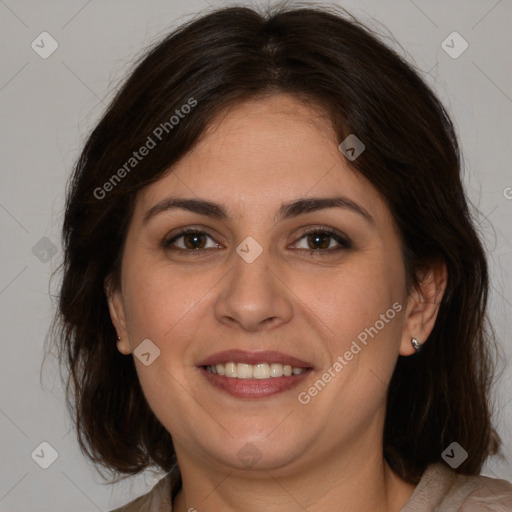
x=416 y=344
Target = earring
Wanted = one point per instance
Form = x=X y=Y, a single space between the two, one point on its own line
x=119 y=338
x=416 y=344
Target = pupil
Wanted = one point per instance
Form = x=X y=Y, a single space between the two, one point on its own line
x=320 y=239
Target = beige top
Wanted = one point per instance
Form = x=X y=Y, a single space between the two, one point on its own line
x=440 y=490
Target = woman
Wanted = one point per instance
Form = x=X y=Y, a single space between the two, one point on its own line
x=273 y=290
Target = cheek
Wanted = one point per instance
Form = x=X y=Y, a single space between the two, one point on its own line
x=345 y=302
x=361 y=315
x=159 y=299
x=161 y=308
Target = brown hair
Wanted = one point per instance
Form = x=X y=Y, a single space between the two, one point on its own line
x=324 y=57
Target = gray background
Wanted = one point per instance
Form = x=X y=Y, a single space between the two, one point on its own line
x=47 y=108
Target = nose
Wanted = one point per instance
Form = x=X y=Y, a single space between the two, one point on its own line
x=253 y=296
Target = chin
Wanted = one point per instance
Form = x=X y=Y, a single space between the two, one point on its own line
x=253 y=452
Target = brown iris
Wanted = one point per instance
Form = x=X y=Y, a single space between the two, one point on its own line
x=320 y=239
x=192 y=240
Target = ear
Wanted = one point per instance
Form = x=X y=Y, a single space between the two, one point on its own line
x=423 y=306
x=117 y=315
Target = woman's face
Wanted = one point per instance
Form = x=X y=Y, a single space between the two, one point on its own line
x=272 y=270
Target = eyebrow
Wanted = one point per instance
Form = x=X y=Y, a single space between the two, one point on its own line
x=288 y=210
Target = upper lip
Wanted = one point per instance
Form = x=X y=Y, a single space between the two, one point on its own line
x=243 y=356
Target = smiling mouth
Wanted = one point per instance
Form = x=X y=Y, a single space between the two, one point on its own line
x=254 y=374
x=258 y=371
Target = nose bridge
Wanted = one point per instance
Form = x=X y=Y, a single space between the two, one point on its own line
x=250 y=274
x=252 y=293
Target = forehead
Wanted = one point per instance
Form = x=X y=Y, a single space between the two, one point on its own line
x=263 y=152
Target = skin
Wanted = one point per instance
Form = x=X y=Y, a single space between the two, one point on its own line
x=326 y=455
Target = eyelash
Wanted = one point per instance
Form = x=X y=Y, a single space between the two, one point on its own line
x=343 y=241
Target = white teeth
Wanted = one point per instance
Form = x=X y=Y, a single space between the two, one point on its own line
x=276 y=370
x=244 y=371
x=256 y=371
x=230 y=370
x=261 y=371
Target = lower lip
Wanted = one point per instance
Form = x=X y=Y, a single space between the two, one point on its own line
x=254 y=388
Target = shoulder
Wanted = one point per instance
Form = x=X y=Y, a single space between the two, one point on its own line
x=482 y=494
x=443 y=490
x=158 y=499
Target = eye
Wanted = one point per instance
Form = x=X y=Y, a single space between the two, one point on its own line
x=192 y=240
x=318 y=241
x=323 y=240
